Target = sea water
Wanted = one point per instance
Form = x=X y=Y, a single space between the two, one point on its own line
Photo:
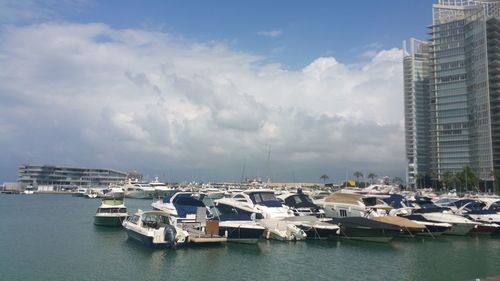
x=52 y=237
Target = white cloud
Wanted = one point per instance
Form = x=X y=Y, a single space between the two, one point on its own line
x=270 y=33
x=87 y=94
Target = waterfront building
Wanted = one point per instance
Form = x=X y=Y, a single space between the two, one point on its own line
x=63 y=177
x=416 y=108
x=463 y=108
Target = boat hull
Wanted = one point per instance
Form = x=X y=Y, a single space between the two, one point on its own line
x=109 y=221
x=459 y=229
x=319 y=233
x=368 y=234
x=358 y=228
x=241 y=234
x=148 y=241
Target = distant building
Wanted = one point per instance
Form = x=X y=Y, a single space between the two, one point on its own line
x=62 y=177
x=452 y=92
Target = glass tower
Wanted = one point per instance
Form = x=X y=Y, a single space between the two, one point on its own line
x=416 y=107
x=463 y=83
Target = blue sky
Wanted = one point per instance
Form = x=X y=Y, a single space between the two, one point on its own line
x=191 y=90
x=305 y=29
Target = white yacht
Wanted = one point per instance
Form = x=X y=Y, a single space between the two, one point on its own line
x=424 y=210
x=138 y=190
x=181 y=206
x=160 y=189
x=29 y=190
x=155 y=229
x=340 y=205
x=265 y=203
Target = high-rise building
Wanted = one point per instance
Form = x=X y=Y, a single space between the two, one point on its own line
x=463 y=77
x=416 y=107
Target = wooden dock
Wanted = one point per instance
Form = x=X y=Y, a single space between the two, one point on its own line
x=206 y=234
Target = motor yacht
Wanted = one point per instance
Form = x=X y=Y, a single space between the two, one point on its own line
x=424 y=210
x=360 y=228
x=29 y=190
x=301 y=204
x=181 y=206
x=138 y=190
x=487 y=219
x=155 y=229
x=273 y=213
x=341 y=205
x=238 y=225
x=111 y=212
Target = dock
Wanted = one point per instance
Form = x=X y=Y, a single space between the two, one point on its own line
x=204 y=234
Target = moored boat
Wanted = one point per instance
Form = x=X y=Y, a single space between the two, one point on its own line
x=359 y=228
x=111 y=212
x=155 y=230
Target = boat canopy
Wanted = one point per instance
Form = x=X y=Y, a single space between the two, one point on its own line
x=346 y=198
x=399 y=221
x=299 y=200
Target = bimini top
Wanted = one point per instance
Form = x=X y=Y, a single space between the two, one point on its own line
x=346 y=198
x=399 y=221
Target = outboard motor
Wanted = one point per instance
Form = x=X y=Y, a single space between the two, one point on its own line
x=169 y=234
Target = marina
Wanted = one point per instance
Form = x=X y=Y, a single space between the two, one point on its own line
x=31 y=238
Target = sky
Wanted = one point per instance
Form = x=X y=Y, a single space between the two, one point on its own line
x=206 y=90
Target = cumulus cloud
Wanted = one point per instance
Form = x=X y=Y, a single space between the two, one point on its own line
x=270 y=33
x=91 y=95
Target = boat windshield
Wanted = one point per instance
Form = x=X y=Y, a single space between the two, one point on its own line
x=155 y=220
x=112 y=210
x=225 y=212
x=265 y=198
x=299 y=200
x=495 y=207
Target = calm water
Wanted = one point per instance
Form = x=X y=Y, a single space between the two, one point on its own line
x=52 y=237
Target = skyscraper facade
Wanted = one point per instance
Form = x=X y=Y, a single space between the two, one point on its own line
x=463 y=104
x=416 y=108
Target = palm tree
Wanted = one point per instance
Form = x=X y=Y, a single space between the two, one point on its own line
x=372 y=176
x=324 y=178
x=358 y=175
x=449 y=178
x=467 y=177
x=496 y=176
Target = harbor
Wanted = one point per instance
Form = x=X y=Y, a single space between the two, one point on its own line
x=44 y=229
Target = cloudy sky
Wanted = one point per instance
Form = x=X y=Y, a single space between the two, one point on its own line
x=197 y=90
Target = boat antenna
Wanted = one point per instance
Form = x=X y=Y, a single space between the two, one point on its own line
x=243 y=171
x=269 y=164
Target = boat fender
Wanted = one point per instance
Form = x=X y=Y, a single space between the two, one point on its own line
x=169 y=234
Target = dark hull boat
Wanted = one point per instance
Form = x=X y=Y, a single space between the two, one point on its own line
x=241 y=231
x=358 y=228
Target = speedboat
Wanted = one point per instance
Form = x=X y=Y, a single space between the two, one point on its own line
x=80 y=192
x=29 y=190
x=360 y=228
x=181 y=206
x=487 y=218
x=111 y=212
x=301 y=204
x=113 y=192
x=424 y=210
x=269 y=212
x=308 y=216
x=238 y=225
x=155 y=229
